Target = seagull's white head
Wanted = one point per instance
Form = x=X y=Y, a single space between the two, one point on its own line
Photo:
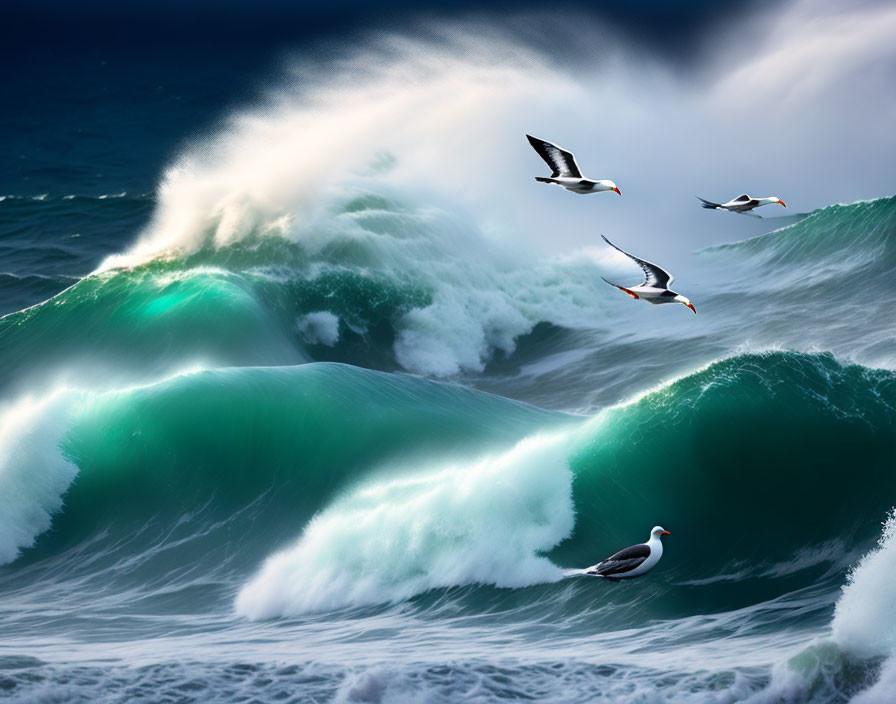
x=658 y=532
x=607 y=185
x=774 y=199
x=685 y=302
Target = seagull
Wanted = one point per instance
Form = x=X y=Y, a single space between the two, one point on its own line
x=742 y=204
x=655 y=288
x=565 y=171
x=633 y=561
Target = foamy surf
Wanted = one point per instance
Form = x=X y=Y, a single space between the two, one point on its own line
x=454 y=524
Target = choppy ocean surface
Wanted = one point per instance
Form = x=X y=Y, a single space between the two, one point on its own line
x=264 y=439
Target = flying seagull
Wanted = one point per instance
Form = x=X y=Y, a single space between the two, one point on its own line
x=633 y=561
x=742 y=204
x=655 y=288
x=565 y=171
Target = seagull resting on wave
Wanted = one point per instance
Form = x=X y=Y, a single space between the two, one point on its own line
x=633 y=561
x=655 y=288
x=565 y=171
x=742 y=204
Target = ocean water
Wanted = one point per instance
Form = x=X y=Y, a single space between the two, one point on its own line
x=268 y=434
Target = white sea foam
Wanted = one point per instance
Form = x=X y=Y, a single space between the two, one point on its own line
x=882 y=691
x=484 y=521
x=477 y=296
x=865 y=620
x=33 y=473
x=863 y=629
x=319 y=328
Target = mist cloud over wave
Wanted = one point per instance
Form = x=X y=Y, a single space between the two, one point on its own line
x=443 y=118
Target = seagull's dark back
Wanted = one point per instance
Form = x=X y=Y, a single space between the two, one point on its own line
x=622 y=561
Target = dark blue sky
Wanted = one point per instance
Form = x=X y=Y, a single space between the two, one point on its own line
x=130 y=84
x=673 y=26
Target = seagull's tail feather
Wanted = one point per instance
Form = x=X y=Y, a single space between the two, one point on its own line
x=582 y=572
x=545 y=179
x=708 y=203
x=625 y=290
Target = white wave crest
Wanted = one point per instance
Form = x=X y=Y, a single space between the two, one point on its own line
x=477 y=522
x=399 y=111
x=338 y=168
x=33 y=473
x=865 y=620
x=863 y=629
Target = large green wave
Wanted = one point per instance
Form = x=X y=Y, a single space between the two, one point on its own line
x=770 y=470
x=289 y=438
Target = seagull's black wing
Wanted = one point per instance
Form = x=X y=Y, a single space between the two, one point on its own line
x=654 y=275
x=743 y=204
x=562 y=162
x=623 y=561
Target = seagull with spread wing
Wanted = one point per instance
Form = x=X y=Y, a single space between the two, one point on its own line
x=565 y=171
x=655 y=288
x=742 y=204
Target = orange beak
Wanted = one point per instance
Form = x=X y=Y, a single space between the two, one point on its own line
x=782 y=202
x=666 y=532
x=620 y=192
x=691 y=306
